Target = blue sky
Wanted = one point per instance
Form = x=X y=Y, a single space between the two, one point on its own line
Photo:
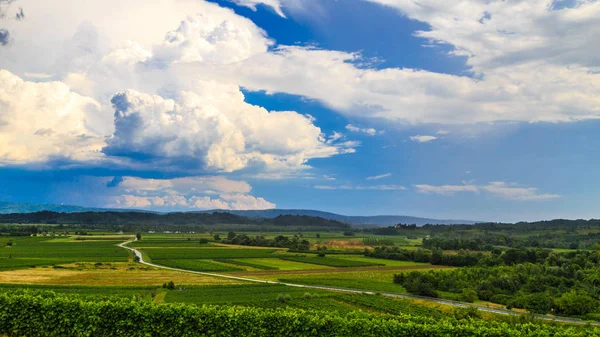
x=350 y=106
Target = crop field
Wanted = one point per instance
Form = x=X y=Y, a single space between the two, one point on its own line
x=199 y=265
x=109 y=275
x=251 y=264
x=373 y=280
x=206 y=253
x=178 y=243
x=26 y=252
x=382 y=262
x=282 y=264
x=238 y=294
x=330 y=261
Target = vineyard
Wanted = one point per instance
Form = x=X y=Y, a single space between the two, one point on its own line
x=48 y=315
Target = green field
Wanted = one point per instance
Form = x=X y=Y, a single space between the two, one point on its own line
x=179 y=243
x=330 y=261
x=206 y=253
x=199 y=265
x=280 y=264
x=24 y=252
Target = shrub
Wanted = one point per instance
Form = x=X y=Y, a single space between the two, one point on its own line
x=469 y=312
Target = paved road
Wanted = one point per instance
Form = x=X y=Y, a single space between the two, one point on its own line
x=358 y=291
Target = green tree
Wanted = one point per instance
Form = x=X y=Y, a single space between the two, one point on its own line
x=574 y=303
x=138 y=236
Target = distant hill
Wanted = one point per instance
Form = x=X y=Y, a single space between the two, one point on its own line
x=188 y=220
x=12 y=207
x=362 y=221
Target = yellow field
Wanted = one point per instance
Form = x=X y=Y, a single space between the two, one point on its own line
x=123 y=275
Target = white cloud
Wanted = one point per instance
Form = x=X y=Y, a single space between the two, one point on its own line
x=215 y=184
x=362 y=188
x=185 y=194
x=446 y=189
x=526 y=68
x=508 y=191
x=211 y=39
x=381 y=176
x=214 y=128
x=368 y=131
x=499 y=189
x=274 y=4
x=423 y=139
x=44 y=121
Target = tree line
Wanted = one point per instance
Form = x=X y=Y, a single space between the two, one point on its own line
x=537 y=280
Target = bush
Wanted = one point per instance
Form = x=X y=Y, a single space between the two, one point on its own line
x=469 y=312
x=169 y=286
x=203 y=241
x=307 y=296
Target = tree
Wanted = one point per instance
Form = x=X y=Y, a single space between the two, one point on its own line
x=217 y=237
x=318 y=235
x=575 y=303
x=230 y=235
x=170 y=285
x=138 y=236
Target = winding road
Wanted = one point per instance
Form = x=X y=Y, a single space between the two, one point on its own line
x=358 y=291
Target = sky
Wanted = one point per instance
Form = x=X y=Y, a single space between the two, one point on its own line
x=471 y=109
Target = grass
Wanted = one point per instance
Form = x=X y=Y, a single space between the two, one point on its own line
x=237 y=294
x=199 y=265
x=330 y=261
x=114 y=274
x=205 y=253
x=26 y=252
x=279 y=264
x=248 y=263
x=372 y=280
x=383 y=262
x=85 y=291
x=176 y=243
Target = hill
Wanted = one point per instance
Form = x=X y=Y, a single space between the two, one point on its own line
x=361 y=221
x=23 y=207
x=185 y=221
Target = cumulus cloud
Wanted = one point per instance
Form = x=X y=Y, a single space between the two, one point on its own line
x=212 y=39
x=216 y=184
x=381 y=176
x=509 y=191
x=44 y=121
x=422 y=139
x=215 y=129
x=186 y=193
x=362 y=188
